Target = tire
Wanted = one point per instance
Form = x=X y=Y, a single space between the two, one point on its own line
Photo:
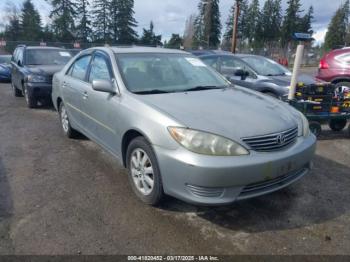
x=337 y=124
x=315 y=128
x=343 y=83
x=30 y=99
x=16 y=92
x=67 y=129
x=143 y=171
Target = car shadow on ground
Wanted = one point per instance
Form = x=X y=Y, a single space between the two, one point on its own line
x=6 y=210
x=320 y=196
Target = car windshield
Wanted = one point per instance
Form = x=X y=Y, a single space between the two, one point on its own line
x=47 y=57
x=5 y=59
x=167 y=73
x=266 y=67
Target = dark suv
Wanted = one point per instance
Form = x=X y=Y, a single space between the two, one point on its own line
x=32 y=71
x=335 y=67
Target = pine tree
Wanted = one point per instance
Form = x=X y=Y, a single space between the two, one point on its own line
x=123 y=22
x=84 y=30
x=208 y=24
x=174 y=42
x=63 y=14
x=291 y=22
x=338 y=27
x=243 y=29
x=149 y=38
x=102 y=20
x=270 y=22
x=30 y=22
x=253 y=21
x=189 y=32
x=306 y=21
x=12 y=29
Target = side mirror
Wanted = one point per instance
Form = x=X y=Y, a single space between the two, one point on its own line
x=242 y=73
x=104 y=86
x=19 y=63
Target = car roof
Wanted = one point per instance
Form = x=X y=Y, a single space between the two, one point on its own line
x=141 y=49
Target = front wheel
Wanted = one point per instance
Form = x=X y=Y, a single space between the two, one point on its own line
x=15 y=91
x=315 y=128
x=64 y=120
x=30 y=99
x=144 y=174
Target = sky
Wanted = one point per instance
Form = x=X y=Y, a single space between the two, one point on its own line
x=169 y=16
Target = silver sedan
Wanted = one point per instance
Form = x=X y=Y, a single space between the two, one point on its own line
x=179 y=127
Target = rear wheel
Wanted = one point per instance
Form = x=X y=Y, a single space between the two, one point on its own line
x=271 y=94
x=337 y=124
x=315 y=128
x=16 y=92
x=344 y=83
x=144 y=174
x=30 y=99
x=64 y=120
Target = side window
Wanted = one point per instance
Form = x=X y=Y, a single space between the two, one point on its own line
x=14 y=56
x=229 y=65
x=99 y=69
x=79 y=67
x=20 y=55
x=212 y=62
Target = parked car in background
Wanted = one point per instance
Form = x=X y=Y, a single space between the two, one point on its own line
x=254 y=72
x=334 y=67
x=74 y=51
x=5 y=68
x=32 y=71
x=181 y=128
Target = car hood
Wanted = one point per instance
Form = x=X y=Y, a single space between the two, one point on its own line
x=233 y=112
x=285 y=80
x=45 y=69
x=5 y=67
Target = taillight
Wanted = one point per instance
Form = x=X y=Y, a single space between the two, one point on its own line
x=323 y=64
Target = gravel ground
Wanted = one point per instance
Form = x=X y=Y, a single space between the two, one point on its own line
x=60 y=196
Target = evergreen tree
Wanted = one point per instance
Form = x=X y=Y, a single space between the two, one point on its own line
x=102 y=20
x=208 y=24
x=174 y=42
x=306 y=22
x=270 y=22
x=63 y=14
x=123 y=22
x=252 y=22
x=243 y=26
x=149 y=38
x=291 y=22
x=84 y=31
x=12 y=29
x=30 y=22
x=189 y=32
x=338 y=27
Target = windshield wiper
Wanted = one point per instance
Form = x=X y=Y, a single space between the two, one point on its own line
x=200 y=88
x=151 y=92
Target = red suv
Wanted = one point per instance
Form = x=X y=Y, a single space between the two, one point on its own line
x=335 y=67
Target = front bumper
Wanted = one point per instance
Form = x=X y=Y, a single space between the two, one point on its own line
x=39 y=90
x=209 y=180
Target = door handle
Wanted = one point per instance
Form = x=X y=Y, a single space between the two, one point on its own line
x=85 y=95
x=64 y=84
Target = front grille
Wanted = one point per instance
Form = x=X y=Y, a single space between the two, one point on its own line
x=272 y=142
x=205 y=191
x=271 y=185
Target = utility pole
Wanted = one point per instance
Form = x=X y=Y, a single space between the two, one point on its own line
x=208 y=19
x=235 y=26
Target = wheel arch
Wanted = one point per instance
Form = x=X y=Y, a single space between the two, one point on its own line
x=127 y=138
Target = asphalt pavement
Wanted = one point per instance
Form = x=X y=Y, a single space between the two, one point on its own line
x=61 y=196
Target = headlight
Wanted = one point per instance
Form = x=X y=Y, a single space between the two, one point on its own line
x=36 y=78
x=304 y=129
x=206 y=143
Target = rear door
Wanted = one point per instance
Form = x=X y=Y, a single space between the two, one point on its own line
x=73 y=87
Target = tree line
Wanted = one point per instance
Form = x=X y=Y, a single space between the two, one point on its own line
x=113 y=22
x=98 y=21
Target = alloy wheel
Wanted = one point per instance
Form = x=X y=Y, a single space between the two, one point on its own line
x=64 y=120
x=142 y=171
